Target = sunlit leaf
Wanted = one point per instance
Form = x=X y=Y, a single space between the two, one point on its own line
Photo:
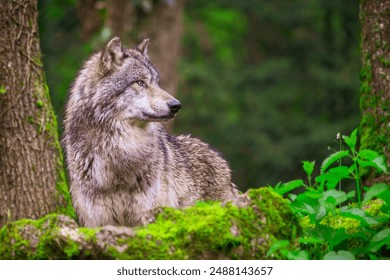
x=278 y=245
x=351 y=140
x=289 y=186
x=358 y=214
x=380 y=239
x=308 y=166
x=332 y=159
x=334 y=176
x=340 y=255
x=368 y=154
x=380 y=163
x=338 y=196
x=365 y=163
x=375 y=191
x=321 y=213
x=300 y=255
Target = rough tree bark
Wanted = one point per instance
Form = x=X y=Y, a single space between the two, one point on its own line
x=375 y=87
x=88 y=12
x=32 y=181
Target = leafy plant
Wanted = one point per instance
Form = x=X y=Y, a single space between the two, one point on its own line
x=340 y=223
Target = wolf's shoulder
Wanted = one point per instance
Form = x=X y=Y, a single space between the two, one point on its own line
x=193 y=146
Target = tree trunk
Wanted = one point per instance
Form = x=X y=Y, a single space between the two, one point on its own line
x=375 y=86
x=88 y=12
x=162 y=22
x=32 y=181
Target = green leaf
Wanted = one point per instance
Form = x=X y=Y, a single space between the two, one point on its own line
x=334 y=176
x=276 y=187
x=368 y=154
x=308 y=166
x=300 y=255
x=329 y=201
x=332 y=159
x=289 y=186
x=310 y=240
x=364 y=163
x=2 y=89
x=331 y=237
x=358 y=214
x=306 y=203
x=380 y=239
x=351 y=140
x=375 y=191
x=278 y=245
x=305 y=208
x=321 y=212
x=380 y=163
x=292 y=196
x=338 y=196
x=340 y=255
x=382 y=235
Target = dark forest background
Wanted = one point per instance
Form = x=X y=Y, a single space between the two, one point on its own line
x=268 y=83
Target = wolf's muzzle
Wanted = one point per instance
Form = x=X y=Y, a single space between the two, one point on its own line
x=174 y=106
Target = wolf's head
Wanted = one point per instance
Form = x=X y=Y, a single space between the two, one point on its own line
x=126 y=85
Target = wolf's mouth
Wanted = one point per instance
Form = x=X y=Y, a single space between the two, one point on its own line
x=155 y=117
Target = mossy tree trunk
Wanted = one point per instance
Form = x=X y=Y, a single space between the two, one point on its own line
x=32 y=182
x=375 y=87
x=90 y=20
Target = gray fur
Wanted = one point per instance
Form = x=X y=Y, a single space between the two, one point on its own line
x=122 y=163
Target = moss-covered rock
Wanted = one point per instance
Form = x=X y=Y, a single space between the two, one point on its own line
x=242 y=229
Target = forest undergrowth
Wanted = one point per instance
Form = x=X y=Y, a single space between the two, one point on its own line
x=341 y=218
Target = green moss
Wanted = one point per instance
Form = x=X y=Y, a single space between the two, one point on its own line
x=49 y=126
x=374 y=130
x=207 y=230
x=279 y=221
x=2 y=89
x=210 y=230
x=384 y=61
x=65 y=206
x=14 y=244
x=30 y=119
x=39 y=104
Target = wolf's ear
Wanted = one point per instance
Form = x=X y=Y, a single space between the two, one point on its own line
x=143 y=47
x=112 y=55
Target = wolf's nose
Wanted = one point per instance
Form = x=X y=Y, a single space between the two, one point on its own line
x=174 y=105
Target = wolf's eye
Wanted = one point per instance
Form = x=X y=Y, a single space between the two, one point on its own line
x=141 y=83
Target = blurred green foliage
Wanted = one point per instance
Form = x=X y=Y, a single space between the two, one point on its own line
x=63 y=51
x=268 y=83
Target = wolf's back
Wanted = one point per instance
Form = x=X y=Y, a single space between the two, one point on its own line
x=208 y=169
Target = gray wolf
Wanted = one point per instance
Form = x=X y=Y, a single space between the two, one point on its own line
x=122 y=163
